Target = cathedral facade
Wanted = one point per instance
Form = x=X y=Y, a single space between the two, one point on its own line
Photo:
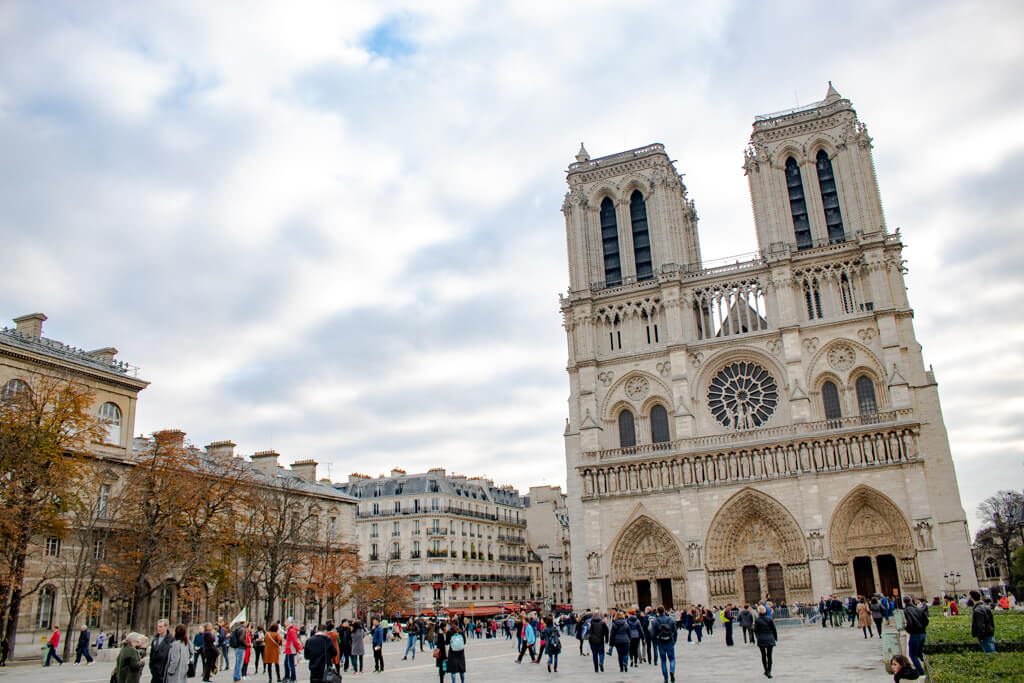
x=766 y=427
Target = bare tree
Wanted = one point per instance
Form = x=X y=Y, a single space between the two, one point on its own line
x=327 y=573
x=1003 y=516
x=386 y=593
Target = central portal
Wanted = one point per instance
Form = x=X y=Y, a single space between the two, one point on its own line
x=647 y=568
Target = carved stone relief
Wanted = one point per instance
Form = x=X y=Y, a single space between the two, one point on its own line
x=637 y=388
x=866 y=335
x=816 y=542
x=693 y=552
x=594 y=564
x=842 y=357
x=810 y=344
x=664 y=369
x=774 y=347
x=606 y=377
x=923 y=534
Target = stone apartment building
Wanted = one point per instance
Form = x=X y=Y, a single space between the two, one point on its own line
x=766 y=426
x=547 y=532
x=25 y=352
x=459 y=541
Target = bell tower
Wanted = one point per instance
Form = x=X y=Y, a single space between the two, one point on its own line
x=627 y=216
x=812 y=177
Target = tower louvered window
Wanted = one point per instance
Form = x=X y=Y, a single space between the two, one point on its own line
x=627 y=429
x=641 y=236
x=610 y=244
x=798 y=205
x=830 y=199
x=830 y=399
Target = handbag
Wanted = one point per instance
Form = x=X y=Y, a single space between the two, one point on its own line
x=191 y=673
x=331 y=676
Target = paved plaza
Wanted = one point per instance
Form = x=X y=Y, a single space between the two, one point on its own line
x=804 y=654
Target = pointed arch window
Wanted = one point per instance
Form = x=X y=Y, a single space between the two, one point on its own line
x=830 y=399
x=659 y=425
x=830 y=198
x=798 y=205
x=627 y=429
x=866 y=396
x=610 y=244
x=641 y=236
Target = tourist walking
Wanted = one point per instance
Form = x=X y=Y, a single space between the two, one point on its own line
x=916 y=625
x=456 y=661
x=412 y=630
x=767 y=636
x=552 y=643
x=211 y=653
x=358 y=647
x=272 y=643
x=664 y=634
x=582 y=630
x=159 y=649
x=197 y=646
x=620 y=641
x=179 y=658
x=633 y=623
x=646 y=634
x=727 y=617
x=379 y=636
x=129 y=662
x=440 y=651
x=877 y=614
x=864 y=618
x=51 y=647
x=746 y=620
x=598 y=638
x=82 y=648
x=319 y=651
x=527 y=640
x=983 y=626
x=292 y=646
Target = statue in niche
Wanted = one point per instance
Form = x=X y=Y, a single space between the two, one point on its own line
x=817 y=544
x=594 y=563
x=924 y=534
x=694 y=552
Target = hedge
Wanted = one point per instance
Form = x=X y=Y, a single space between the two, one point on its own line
x=975 y=667
x=953 y=634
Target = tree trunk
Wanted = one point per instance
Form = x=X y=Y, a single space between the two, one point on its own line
x=71 y=631
x=10 y=629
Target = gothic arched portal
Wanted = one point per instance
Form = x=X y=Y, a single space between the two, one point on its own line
x=647 y=567
x=871 y=546
x=755 y=548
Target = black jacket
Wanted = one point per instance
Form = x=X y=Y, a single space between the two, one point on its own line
x=620 y=632
x=158 y=652
x=983 y=625
x=83 y=639
x=319 y=650
x=598 y=631
x=764 y=629
x=345 y=639
x=916 y=618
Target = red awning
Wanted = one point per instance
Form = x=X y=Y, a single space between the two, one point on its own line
x=414 y=586
x=437 y=586
x=488 y=611
x=455 y=586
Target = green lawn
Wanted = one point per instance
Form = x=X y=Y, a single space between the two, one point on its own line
x=942 y=629
x=975 y=667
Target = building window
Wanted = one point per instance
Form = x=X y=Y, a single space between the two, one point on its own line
x=830 y=399
x=110 y=416
x=798 y=205
x=332 y=526
x=14 y=389
x=102 y=500
x=396 y=552
x=374 y=555
x=627 y=429
x=53 y=547
x=659 y=424
x=93 y=607
x=846 y=293
x=396 y=529
x=830 y=198
x=641 y=236
x=166 y=595
x=376 y=508
x=398 y=507
x=435 y=505
x=866 y=396
x=98 y=549
x=991 y=568
x=812 y=297
x=610 y=244
x=44 y=616
x=373 y=530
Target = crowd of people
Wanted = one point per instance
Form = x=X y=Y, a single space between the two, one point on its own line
x=632 y=638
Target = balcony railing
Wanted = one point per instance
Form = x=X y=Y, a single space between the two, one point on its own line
x=437 y=553
x=752 y=436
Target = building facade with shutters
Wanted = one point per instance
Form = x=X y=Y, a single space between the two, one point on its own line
x=547 y=531
x=765 y=427
x=460 y=542
x=327 y=514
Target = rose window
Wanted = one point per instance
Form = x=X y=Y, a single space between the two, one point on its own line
x=743 y=395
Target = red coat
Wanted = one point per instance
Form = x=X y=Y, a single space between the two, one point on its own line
x=55 y=639
x=292 y=646
x=248 y=646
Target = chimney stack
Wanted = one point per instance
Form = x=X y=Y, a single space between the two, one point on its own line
x=397 y=472
x=221 y=449
x=355 y=478
x=266 y=462
x=31 y=324
x=306 y=469
x=105 y=354
x=172 y=439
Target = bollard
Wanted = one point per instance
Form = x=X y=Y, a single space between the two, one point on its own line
x=890 y=647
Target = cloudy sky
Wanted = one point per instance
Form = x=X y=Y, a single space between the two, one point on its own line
x=334 y=229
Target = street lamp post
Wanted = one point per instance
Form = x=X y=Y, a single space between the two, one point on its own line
x=952 y=578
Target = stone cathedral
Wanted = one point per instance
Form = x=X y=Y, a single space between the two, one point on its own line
x=763 y=428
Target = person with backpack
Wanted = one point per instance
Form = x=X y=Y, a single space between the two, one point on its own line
x=647 y=645
x=635 y=629
x=552 y=643
x=598 y=638
x=583 y=630
x=620 y=641
x=983 y=626
x=664 y=633
x=236 y=641
x=916 y=625
x=456 y=661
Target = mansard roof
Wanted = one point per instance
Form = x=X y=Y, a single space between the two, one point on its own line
x=482 y=490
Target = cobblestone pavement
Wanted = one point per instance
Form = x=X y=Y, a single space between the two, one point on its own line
x=807 y=653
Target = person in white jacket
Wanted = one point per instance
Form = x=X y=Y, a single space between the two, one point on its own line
x=179 y=657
